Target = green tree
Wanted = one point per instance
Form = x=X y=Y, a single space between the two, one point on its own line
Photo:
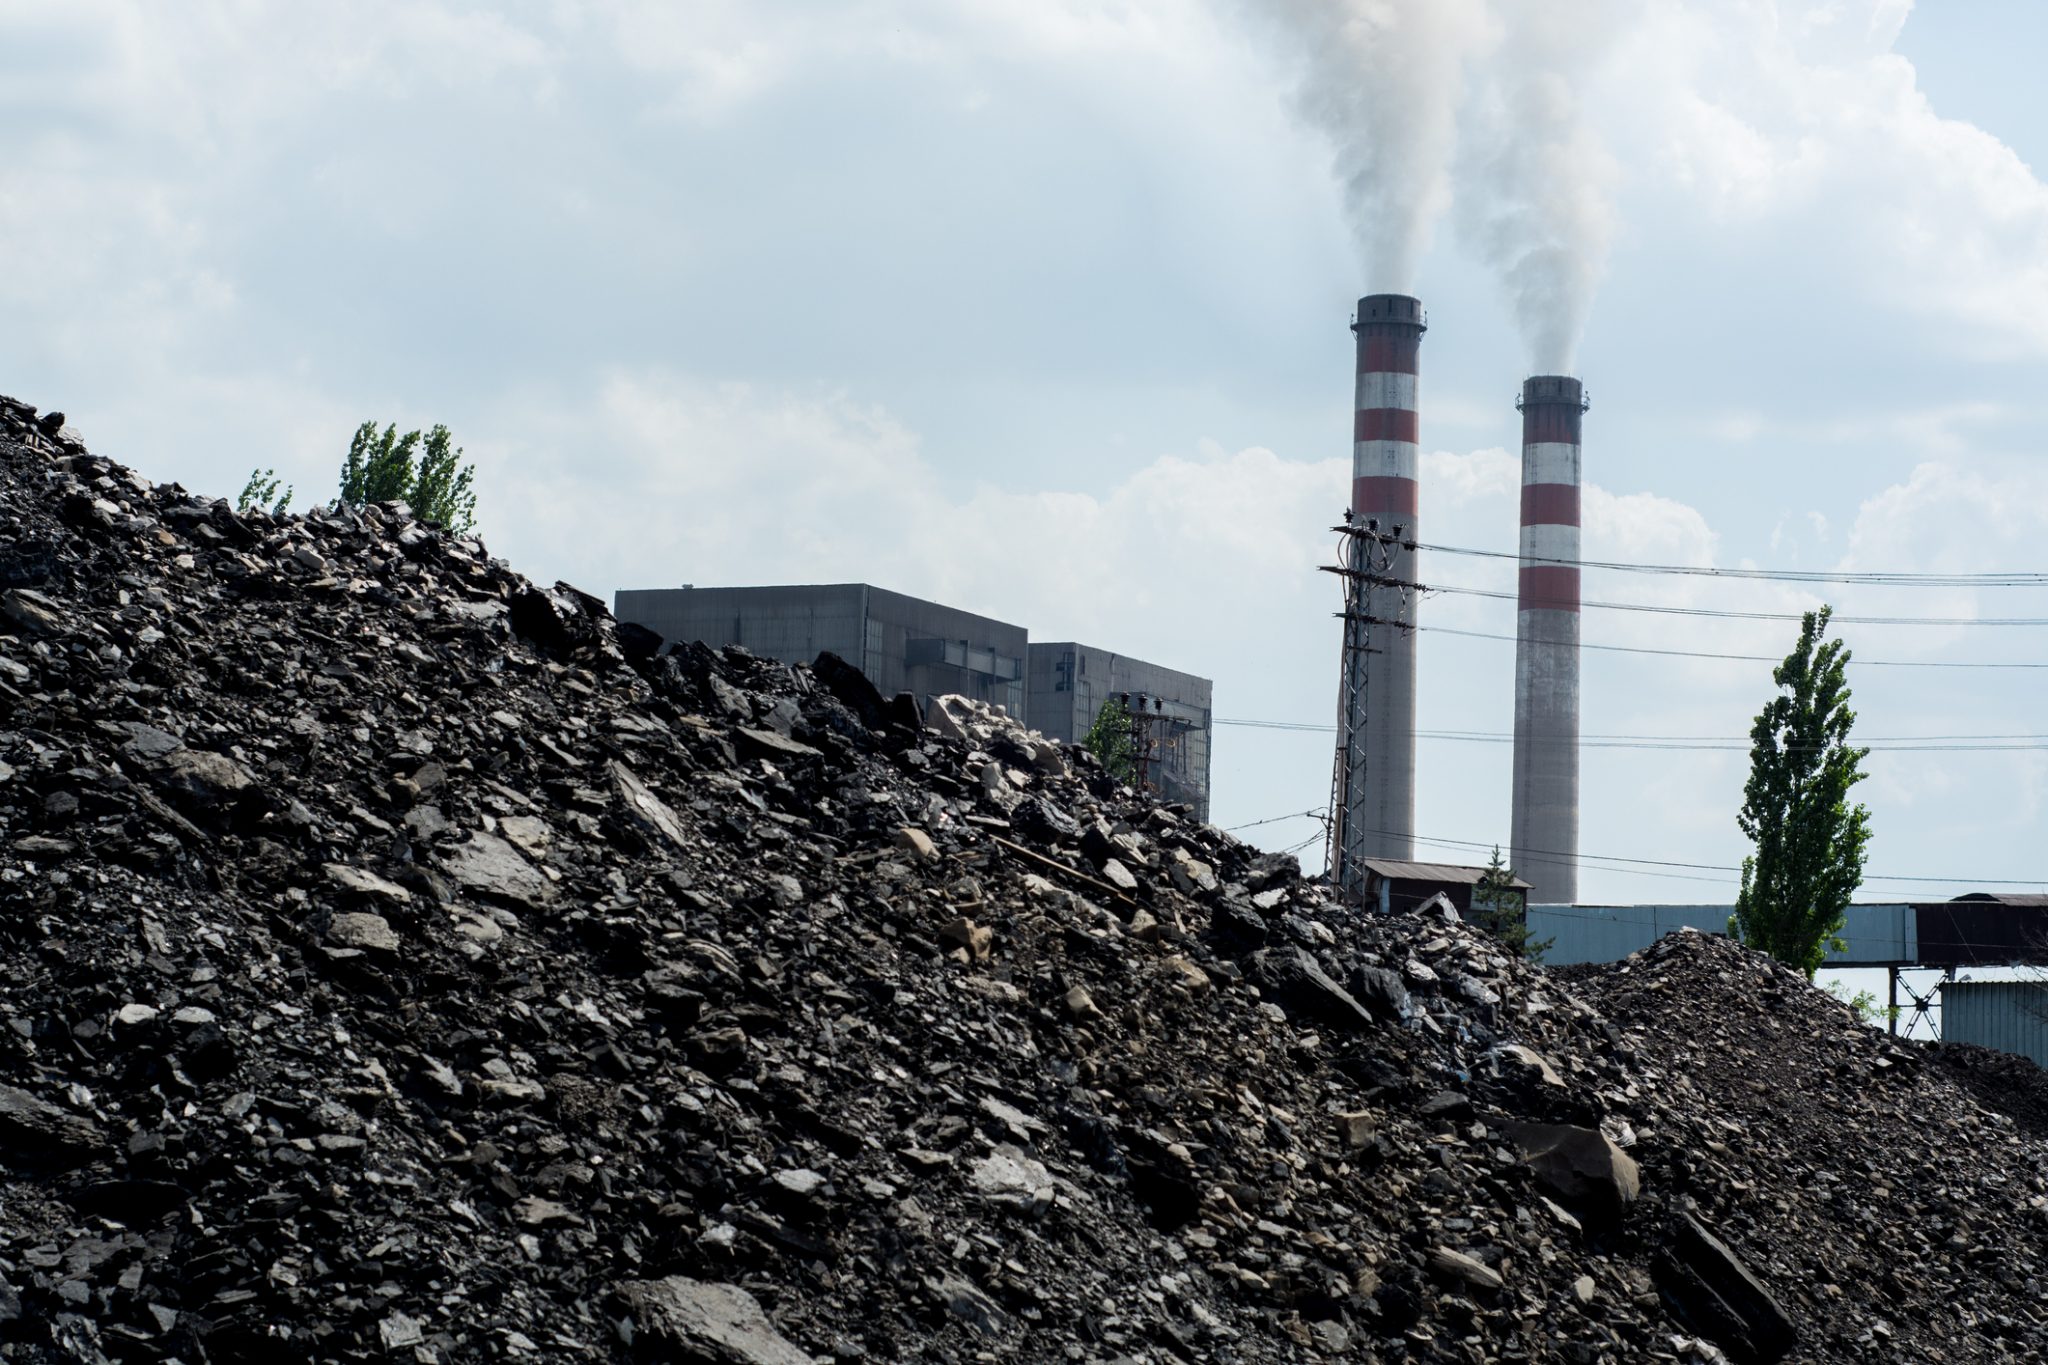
x=1864 y=1002
x=426 y=474
x=261 y=490
x=378 y=468
x=1501 y=908
x=1810 y=840
x=1110 y=739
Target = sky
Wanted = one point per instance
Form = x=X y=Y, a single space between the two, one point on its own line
x=1040 y=308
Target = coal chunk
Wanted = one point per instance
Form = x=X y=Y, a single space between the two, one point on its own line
x=852 y=688
x=39 y=1132
x=1294 y=979
x=718 y=1324
x=1722 y=1298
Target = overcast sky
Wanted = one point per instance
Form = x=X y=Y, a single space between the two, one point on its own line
x=1039 y=307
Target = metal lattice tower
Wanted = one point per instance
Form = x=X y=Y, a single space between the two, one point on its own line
x=1371 y=554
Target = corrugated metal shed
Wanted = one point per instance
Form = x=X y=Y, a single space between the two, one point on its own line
x=1395 y=870
x=1877 y=935
x=1399 y=885
x=2011 y=1016
x=1608 y=933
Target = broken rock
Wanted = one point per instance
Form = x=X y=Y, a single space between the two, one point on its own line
x=492 y=867
x=717 y=1324
x=1580 y=1165
x=354 y=929
x=1293 y=979
x=366 y=883
x=41 y=1131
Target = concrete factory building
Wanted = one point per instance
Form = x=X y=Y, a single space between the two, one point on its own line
x=906 y=644
x=903 y=644
x=1069 y=683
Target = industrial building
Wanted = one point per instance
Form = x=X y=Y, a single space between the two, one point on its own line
x=1982 y=929
x=1979 y=930
x=2010 y=1016
x=1873 y=935
x=906 y=644
x=903 y=644
x=1068 y=684
x=1396 y=886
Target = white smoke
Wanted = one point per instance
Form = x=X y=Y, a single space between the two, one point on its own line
x=1478 y=102
x=1532 y=178
x=1382 y=79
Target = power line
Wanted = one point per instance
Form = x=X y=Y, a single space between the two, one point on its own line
x=1736 y=658
x=1725 y=615
x=1644 y=867
x=1550 y=857
x=1865 y=739
x=1894 y=744
x=1276 y=819
x=2015 y=579
x=1275 y=725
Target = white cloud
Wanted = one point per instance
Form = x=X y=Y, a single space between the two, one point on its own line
x=1801 y=115
x=1492 y=472
x=1644 y=527
x=1952 y=517
x=761 y=485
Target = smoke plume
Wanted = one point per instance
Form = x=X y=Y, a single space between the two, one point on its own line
x=1477 y=102
x=1381 y=78
x=1532 y=178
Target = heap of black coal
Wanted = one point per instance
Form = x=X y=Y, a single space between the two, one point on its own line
x=403 y=960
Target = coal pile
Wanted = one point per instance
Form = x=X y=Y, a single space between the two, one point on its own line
x=1895 y=1197
x=405 y=961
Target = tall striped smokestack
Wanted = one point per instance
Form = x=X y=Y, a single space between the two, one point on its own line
x=1545 y=832
x=1383 y=488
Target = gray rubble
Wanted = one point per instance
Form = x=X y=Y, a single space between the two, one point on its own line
x=406 y=961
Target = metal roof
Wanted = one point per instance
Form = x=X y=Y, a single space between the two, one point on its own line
x=2016 y=900
x=1395 y=871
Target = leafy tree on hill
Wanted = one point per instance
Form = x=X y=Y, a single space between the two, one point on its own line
x=425 y=473
x=1810 y=841
x=428 y=476
x=260 y=493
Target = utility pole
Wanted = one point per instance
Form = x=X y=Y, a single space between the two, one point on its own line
x=1141 y=739
x=1370 y=554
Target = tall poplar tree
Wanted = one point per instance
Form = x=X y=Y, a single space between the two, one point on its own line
x=430 y=478
x=1809 y=838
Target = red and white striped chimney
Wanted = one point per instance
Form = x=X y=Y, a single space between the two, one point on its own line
x=1544 y=837
x=1384 y=488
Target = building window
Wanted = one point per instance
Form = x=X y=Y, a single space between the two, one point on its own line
x=1063 y=673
